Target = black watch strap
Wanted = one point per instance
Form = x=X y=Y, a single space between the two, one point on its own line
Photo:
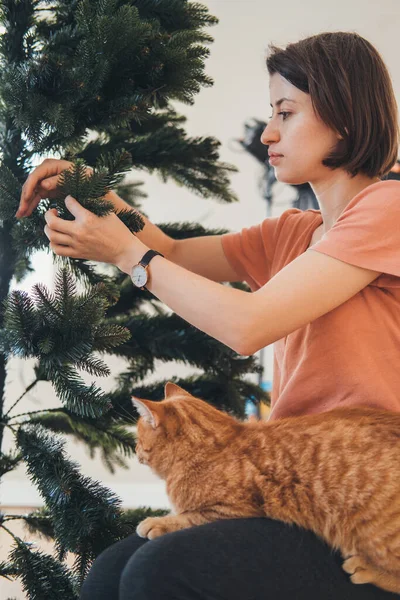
x=144 y=261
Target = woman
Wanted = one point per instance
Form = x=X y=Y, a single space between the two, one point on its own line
x=326 y=290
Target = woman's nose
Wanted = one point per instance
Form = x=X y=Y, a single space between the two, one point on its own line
x=269 y=136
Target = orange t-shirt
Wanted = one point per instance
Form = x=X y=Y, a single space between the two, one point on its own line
x=351 y=355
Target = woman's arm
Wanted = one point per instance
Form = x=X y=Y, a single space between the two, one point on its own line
x=220 y=311
x=310 y=286
x=202 y=255
x=151 y=235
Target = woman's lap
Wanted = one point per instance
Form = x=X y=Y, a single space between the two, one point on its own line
x=233 y=559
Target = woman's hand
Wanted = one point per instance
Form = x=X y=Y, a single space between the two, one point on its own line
x=104 y=239
x=42 y=183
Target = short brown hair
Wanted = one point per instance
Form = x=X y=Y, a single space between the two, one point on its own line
x=351 y=91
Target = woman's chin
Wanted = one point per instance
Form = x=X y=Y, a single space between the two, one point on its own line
x=289 y=179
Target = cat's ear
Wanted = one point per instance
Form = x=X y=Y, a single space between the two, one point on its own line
x=148 y=410
x=171 y=389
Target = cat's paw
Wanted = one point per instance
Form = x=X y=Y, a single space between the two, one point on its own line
x=358 y=569
x=152 y=527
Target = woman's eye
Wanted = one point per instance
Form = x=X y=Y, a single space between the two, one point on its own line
x=282 y=113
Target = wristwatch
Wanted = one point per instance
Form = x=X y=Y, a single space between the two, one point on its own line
x=139 y=274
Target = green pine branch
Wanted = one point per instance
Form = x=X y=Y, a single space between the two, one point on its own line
x=112 y=439
x=105 y=71
x=43 y=577
x=109 y=68
x=85 y=513
x=167 y=150
x=38 y=522
x=28 y=233
x=9 y=461
x=62 y=330
x=8 y=570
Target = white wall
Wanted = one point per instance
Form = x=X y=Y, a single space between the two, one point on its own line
x=237 y=65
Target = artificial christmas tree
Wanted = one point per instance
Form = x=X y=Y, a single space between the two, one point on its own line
x=92 y=81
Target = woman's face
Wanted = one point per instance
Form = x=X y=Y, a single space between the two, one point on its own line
x=298 y=134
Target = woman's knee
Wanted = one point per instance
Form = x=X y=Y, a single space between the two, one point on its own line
x=229 y=559
x=155 y=570
x=145 y=572
x=103 y=578
x=178 y=564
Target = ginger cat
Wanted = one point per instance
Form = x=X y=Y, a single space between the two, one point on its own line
x=335 y=473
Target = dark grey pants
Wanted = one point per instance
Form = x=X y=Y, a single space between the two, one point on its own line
x=233 y=559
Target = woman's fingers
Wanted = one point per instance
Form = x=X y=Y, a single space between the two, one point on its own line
x=42 y=183
x=33 y=190
x=57 y=225
x=50 y=183
x=57 y=238
x=26 y=208
x=53 y=231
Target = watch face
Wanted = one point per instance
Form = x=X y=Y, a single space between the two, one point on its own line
x=139 y=275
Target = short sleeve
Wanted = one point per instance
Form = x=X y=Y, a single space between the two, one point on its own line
x=250 y=251
x=367 y=233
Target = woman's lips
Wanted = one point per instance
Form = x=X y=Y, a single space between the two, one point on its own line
x=275 y=159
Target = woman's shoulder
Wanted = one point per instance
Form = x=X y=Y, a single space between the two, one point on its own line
x=295 y=217
x=374 y=197
x=366 y=234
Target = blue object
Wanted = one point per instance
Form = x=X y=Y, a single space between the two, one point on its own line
x=266 y=386
x=250 y=406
